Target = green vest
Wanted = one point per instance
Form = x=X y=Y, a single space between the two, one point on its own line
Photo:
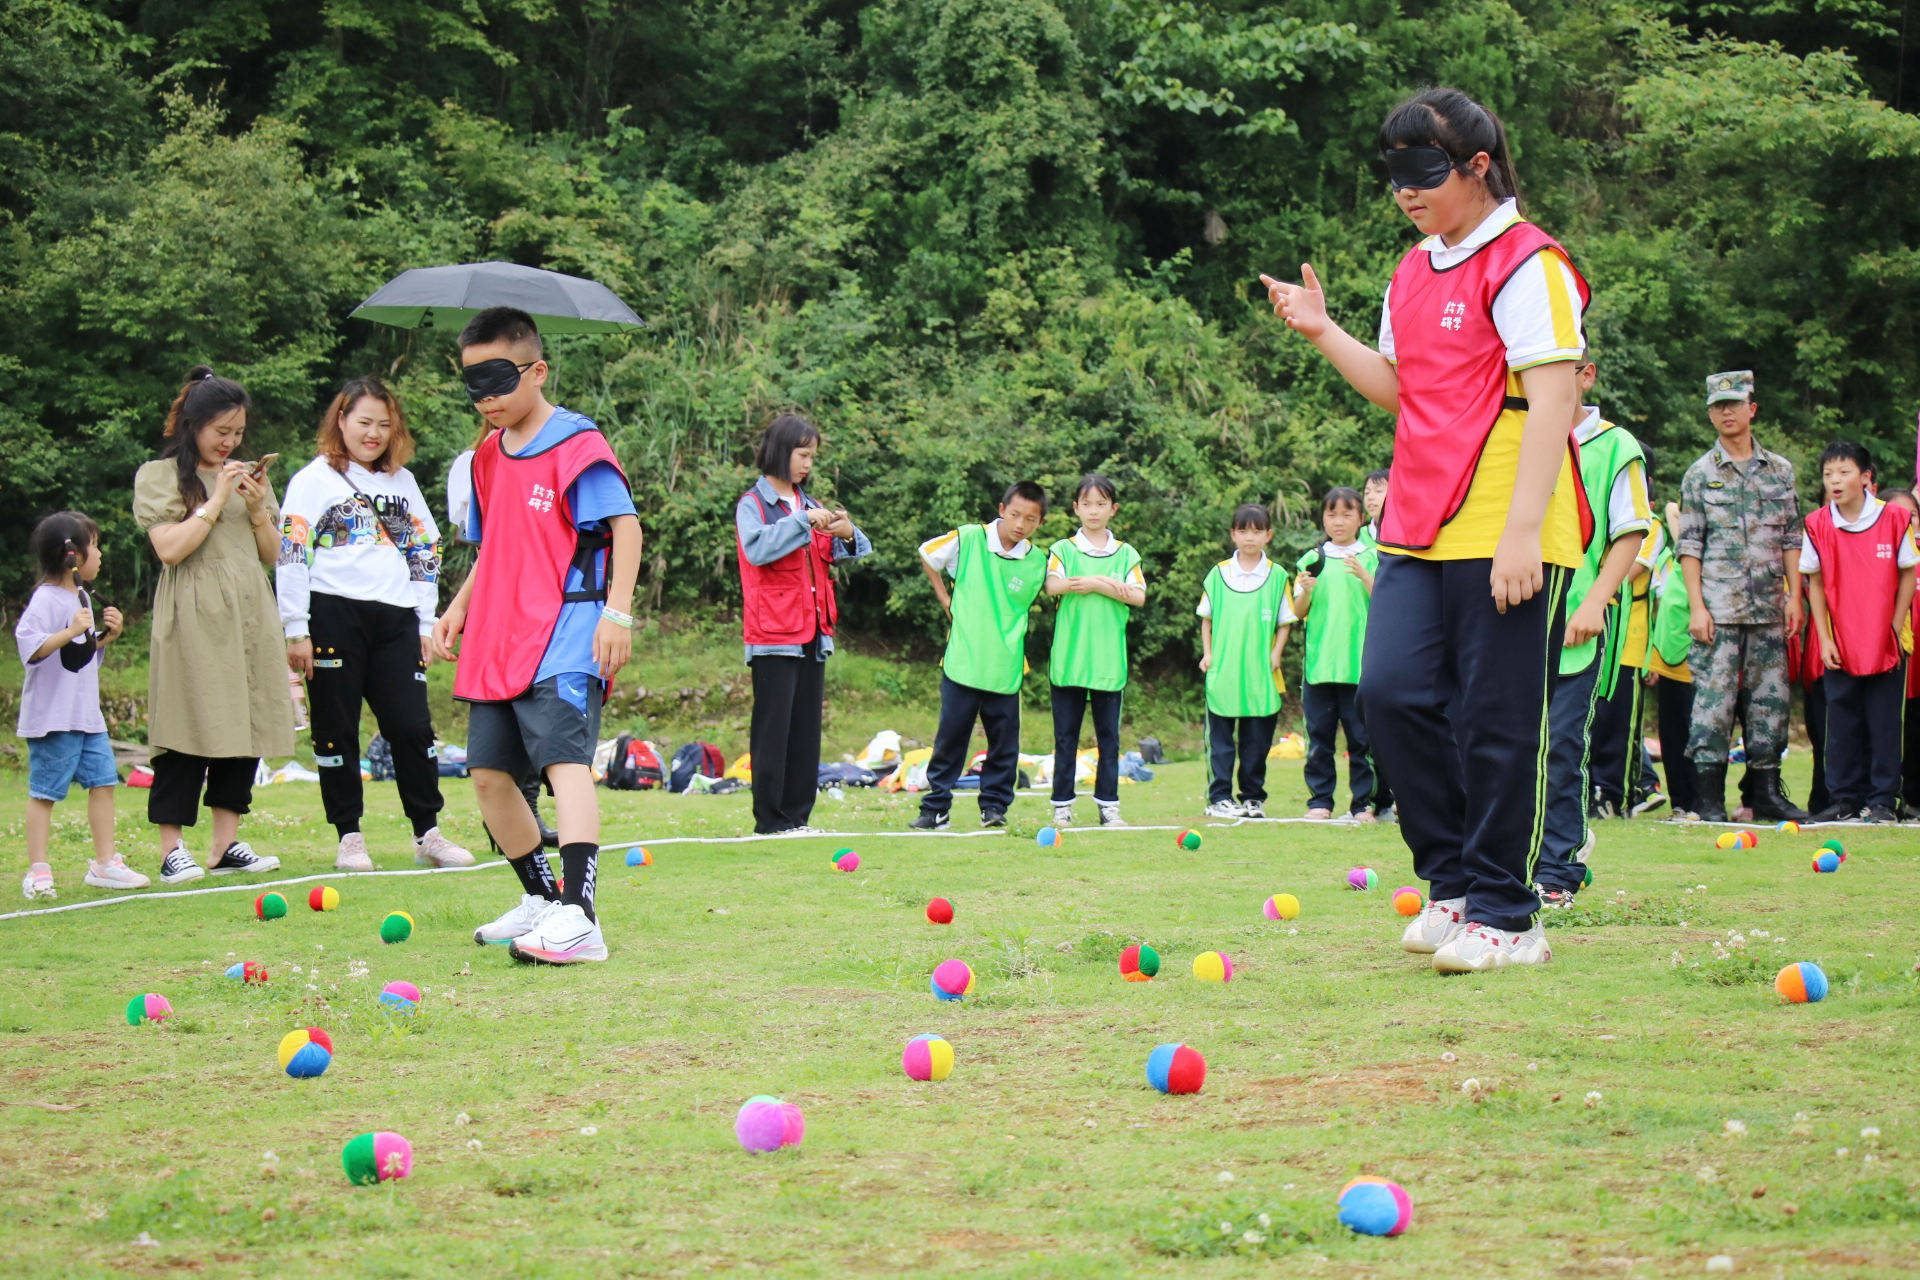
x=991 y=596
x=1672 y=610
x=1337 y=619
x=1090 y=631
x=1602 y=459
x=1240 y=677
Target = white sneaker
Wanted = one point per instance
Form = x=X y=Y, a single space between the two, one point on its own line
x=435 y=850
x=179 y=866
x=353 y=853
x=1435 y=927
x=520 y=920
x=1110 y=816
x=239 y=858
x=1252 y=809
x=38 y=884
x=1479 y=947
x=1063 y=815
x=1585 y=851
x=563 y=936
x=1319 y=815
x=114 y=874
x=1223 y=809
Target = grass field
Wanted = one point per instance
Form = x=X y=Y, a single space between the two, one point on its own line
x=1637 y=1106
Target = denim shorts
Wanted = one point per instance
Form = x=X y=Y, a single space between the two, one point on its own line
x=61 y=759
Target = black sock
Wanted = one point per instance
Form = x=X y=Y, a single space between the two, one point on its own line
x=579 y=862
x=536 y=875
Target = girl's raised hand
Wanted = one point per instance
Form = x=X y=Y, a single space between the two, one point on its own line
x=229 y=479
x=1303 y=306
x=115 y=622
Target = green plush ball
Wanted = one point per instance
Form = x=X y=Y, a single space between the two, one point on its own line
x=1586 y=875
x=397 y=927
x=1187 y=840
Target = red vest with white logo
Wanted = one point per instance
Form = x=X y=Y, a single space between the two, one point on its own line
x=790 y=600
x=1453 y=381
x=1860 y=573
x=519 y=580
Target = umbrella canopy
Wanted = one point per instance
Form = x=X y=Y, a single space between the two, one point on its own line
x=448 y=297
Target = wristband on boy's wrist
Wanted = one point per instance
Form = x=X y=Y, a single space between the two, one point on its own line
x=616 y=617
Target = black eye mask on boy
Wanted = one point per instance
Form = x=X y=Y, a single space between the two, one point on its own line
x=490 y=378
x=1417 y=168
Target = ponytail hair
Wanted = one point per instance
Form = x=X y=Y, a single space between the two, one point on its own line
x=1459 y=126
x=203 y=397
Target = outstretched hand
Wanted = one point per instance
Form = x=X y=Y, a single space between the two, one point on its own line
x=1303 y=306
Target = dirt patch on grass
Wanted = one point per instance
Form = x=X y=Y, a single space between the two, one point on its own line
x=1392 y=1082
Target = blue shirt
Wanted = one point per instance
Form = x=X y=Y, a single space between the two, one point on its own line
x=597 y=496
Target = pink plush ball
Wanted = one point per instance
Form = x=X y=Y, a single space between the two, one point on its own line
x=768 y=1124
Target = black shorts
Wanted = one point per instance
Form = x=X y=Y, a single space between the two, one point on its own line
x=541 y=727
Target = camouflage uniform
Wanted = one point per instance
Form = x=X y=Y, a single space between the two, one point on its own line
x=1739 y=519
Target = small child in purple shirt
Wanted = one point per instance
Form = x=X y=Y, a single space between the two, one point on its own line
x=60 y=701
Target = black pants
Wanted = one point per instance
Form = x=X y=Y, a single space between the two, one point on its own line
x=788 y=694
x=174 y=800
x=1329 y=708
x=999 y=717
x=1069 y=710
x=366 y=651
x=1612 y=761
x=1454 y=694
x=1675 y=719
x=1252 y=738
x=1863 y=739
x=1813 y=701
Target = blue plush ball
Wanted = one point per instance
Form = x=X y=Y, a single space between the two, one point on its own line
x=1370 y=1209
x=308 y=1061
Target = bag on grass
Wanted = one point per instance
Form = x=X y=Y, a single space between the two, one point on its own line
x=695 y=760
x=634 y=766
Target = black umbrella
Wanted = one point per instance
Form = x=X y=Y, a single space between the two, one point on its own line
x=447 y=297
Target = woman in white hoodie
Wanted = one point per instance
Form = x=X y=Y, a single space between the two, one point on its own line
x=358 y=585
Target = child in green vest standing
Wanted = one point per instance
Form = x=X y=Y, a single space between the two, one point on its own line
x=1243 y=629
x=1099 y=581
x=996 y=575
x=1331 y=594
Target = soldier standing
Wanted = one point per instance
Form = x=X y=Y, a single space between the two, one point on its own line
x=1738 y=516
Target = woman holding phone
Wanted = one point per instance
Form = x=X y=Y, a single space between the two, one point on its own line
x=217 y=696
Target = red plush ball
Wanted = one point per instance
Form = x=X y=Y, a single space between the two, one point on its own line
x=940 y=911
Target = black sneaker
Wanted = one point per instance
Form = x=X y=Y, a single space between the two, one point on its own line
x=1879 y=813
x=928 y=822
x=239 y=858
x=993 y=817
x=179 y=866
x=1654 y=799
x=1841 y=812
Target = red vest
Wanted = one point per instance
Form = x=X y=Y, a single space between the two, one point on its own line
x=789 y=601
x=1860 y=573
x=519 y=579
x=1453 y=381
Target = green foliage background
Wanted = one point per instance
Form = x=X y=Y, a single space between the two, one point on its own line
x=976 y=240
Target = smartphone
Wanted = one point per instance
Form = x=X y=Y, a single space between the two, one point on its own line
x=260 y=467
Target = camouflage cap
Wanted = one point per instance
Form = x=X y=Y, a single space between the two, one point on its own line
x=1735 y=384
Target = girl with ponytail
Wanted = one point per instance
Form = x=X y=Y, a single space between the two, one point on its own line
x=217 y=695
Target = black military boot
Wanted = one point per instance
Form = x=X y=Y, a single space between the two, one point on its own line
x=1710 y=781
x=549 y=838
x=1770 y=802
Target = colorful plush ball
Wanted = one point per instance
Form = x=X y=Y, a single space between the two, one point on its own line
x=251 y=971
x=639 y=857
x=1188 y=840
x=1047 y=837
x=269 y=906
x=768 y=1124
x=1362 y=878
x=305 y=1053
x=1748 y=840
x=940 y=911
x=1835 y=846
x=1281 y=906
x=401 y=997
x=1727 y=840
x=927 y=1057
x=323 y=897
x=1801 y=983
x=952 y=980
x=1139 y=963
x=1213 y=966
x=1826 y=860
x=1408 y=901
x=148 y=1008
x=1176 y=1068
x=1586 y=876
x=846 y=860
x=397 y=927
x=377 y=1157
x=1788 y=825
x=1375 y=1207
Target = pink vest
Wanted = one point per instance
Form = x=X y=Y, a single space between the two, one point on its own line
x=1453 y=381
x=1860 y=573
x=519 y=579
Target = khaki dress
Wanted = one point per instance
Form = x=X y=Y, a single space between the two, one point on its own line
x=217 y=659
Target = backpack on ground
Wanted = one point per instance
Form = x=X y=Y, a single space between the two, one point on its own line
x=635 y=766
x=701 y=759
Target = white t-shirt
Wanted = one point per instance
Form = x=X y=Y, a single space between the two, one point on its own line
x=1537 y=311
x=943 y=552
x=1907 y=557
x=1056 y=570
x=334 y=539
x=1627 y=509
x=1239 y=578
